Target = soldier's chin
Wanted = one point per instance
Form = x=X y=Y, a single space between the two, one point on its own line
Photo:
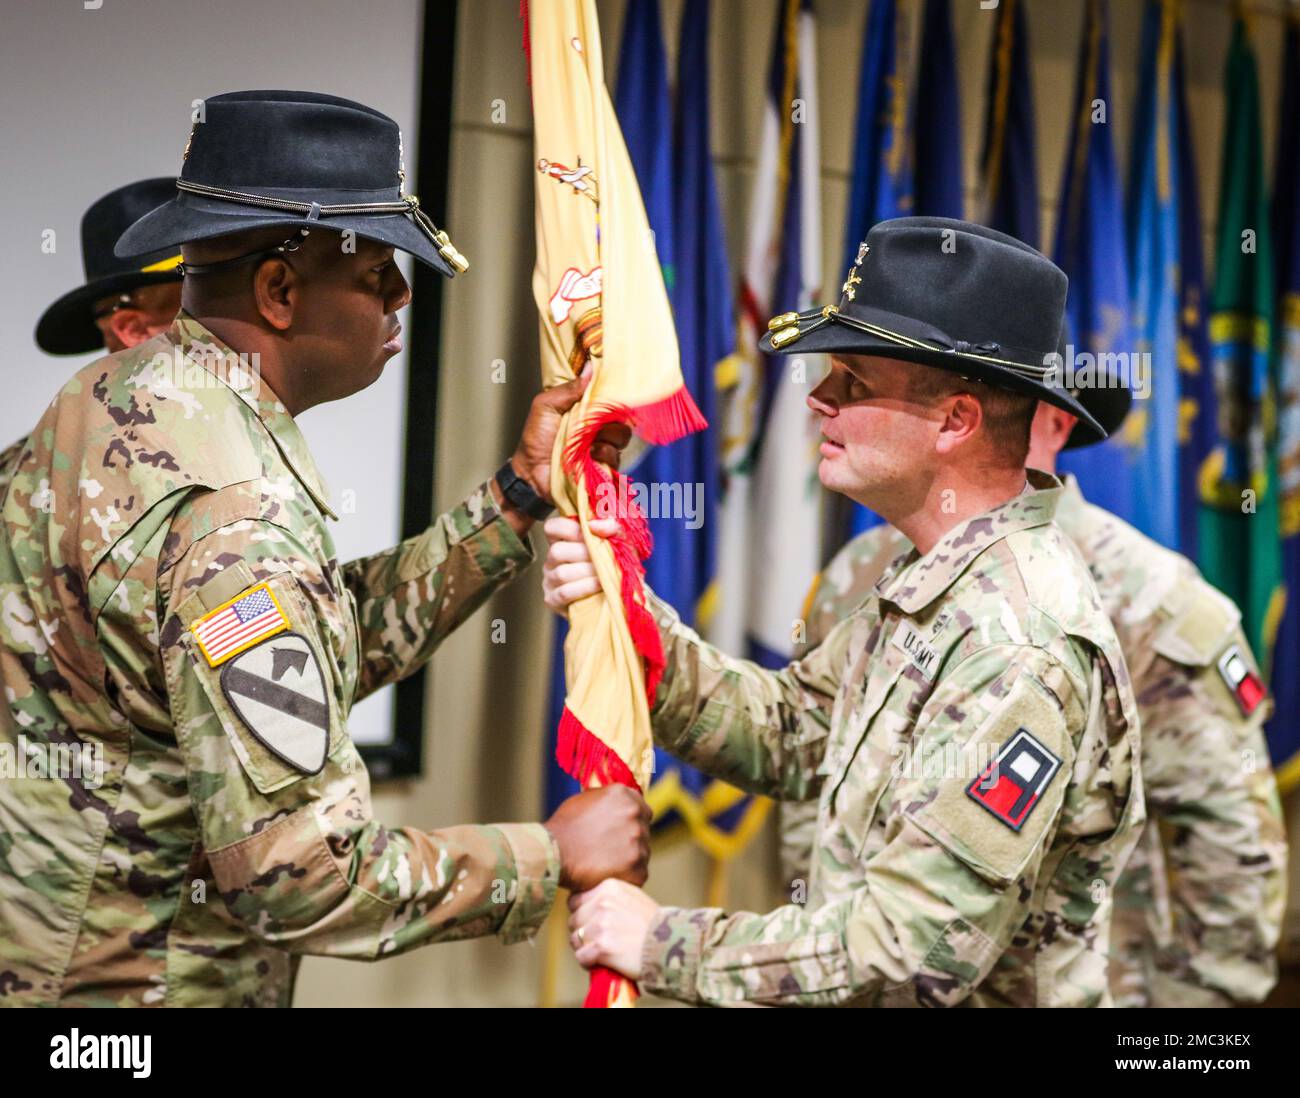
x=832 y=473
x=373 y=374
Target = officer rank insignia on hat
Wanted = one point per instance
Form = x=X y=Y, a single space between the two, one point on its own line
x=1245 y=685
x=277 y=690
x=1014 y=781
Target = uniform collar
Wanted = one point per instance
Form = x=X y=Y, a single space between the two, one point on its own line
x=922 y=579
x=1072 y=501
x=190 y=336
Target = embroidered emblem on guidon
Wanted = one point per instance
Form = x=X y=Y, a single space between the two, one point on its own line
x=1013 y=783
x=1246 y=686
x=278 y=691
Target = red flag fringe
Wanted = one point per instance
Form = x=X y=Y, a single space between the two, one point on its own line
x=579 y=752
x=605 y=986
x=528 y=42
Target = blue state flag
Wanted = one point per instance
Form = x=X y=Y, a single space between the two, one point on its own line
x=1197 y=402
x=936 y=126
x=1154 y=239
x=1009 y=169
x=880 y=186
x=1090 y=250
x=1284 y=727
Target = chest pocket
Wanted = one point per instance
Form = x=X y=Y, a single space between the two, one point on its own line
x=867 y=742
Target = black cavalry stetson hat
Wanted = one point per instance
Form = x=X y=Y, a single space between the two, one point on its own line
x=1108 y=400
x=949 y=294
x=68 y=326
x=298 y=159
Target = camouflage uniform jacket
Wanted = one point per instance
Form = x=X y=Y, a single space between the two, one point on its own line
x=1197 y=913
x=972 y=736
x=212 y=850
x=9 y=458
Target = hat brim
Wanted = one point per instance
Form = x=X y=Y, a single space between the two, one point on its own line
x=838 y=338
x=1109 y=406
x=68 y=326
x=188 y=218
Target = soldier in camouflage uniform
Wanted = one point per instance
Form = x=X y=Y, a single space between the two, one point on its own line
x=970 y=731
x=181 y=649
x=123 y=302
x=1198 y=911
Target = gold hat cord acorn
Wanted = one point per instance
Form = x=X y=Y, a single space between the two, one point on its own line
x=785 y=328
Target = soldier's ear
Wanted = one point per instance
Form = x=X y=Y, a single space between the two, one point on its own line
x=125 y=328
x=275 y=292
x=963 y=416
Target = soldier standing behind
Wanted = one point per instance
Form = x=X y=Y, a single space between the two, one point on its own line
x=970 y=730
x=1198 y=909
x=123 y=302
x=174 y=605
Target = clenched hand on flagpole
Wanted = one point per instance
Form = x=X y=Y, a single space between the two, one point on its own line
x=601 y=301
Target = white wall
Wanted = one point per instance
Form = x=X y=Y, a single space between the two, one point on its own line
x=95 y=98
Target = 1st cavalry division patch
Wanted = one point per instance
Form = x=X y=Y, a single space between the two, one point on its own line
x=1014 y=781
x=278 y=691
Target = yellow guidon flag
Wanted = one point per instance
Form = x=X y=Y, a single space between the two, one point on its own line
x=601 y=299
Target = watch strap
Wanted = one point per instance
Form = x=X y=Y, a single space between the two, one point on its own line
x=520 y=495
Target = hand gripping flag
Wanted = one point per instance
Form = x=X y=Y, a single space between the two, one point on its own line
x=601 y=299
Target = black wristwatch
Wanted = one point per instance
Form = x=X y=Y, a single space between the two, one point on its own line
x=520 y=495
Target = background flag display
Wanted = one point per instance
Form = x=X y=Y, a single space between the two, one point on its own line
x=937 y=169
x=1090 y=250
x=1284 y=727
x=1008 y=164
x=881 y=184
x=670 y=153
x=1196 y=411
x=601 y=301
x=782 y=272
x=1239 y=542
x=1154 y=238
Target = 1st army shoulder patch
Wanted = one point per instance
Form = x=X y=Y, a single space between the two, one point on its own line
x=1013 y=783
x=278 y=691
x=1247 y=687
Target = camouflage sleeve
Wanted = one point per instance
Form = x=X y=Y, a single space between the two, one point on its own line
x=410 y=597
x=939 y=903
x=797 y=821
x=763 y=731
x=281 y=795
x=9 y=458
x=1210 y=784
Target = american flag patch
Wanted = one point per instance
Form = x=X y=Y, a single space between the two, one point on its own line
x=239 y=624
